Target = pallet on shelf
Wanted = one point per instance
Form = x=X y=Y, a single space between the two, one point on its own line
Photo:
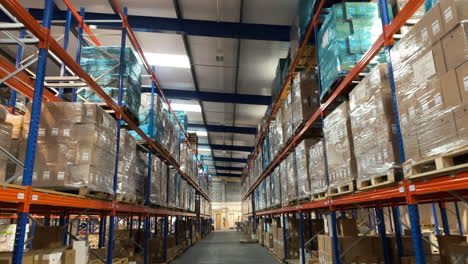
x=444 y=164
x=307 y=59
x=340 y=189
x=319 y=196
x=124 y=199
x=82 y=192
x=108 y=110
x=393 y=176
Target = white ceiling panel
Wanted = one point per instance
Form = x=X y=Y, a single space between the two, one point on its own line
x=274 y=12
x=205 y=51
x=248 y=139
x=214 y=79
x=222 y=10
x=218 y=118
x=218 y=107
x=250 y=115
x=258 y=65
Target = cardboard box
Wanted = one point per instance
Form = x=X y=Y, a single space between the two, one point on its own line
x=452 y=12
x=6 y=258
x=462 y=77
x=450 y=89
x=451 y=248
x=455 y=46
x=347 y=227
x=461 y=121
x=431 y=25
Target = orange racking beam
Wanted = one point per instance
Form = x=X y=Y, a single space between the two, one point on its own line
x=81 y=22
x=137 y=46
x=43 y=35
x=385 y=38
x=22 y=83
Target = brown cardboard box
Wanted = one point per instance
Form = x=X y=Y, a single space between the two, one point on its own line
x=68 y=256
x=46 y=237
x=461 y=121
x=452 y=12
x=462 y=76
x=451 y=248
x=431 y=26
x=6 y=258
x=455 y=45
x=450 y=89
x=439 y=60
x=347 y=227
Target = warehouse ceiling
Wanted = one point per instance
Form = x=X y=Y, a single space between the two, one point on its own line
x=208 y=64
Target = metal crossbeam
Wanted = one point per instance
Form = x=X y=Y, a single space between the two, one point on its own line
x=223 y=129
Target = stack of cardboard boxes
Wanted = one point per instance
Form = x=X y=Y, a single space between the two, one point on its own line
x=127 y=172
x=317 y=169
x=304 y=96
x=431 y=69
x=373 y=125
x=75 y=147
x=339 y=146
x=5 y=141
x=302 y=168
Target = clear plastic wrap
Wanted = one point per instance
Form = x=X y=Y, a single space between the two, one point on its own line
x=291 y=179
x=5 y=141
x=287 y=119
x=430 y=79
x=127 y=172
x=284 y=182
x=75 y=147
x=302 y=168
x=373 y=125
x=171 y=178
x=273 y=185
x=141 y=172
x=102 y=63
x=317 y=168
x=144 y=117
x=267 y=192
x=339 y=145
x=304 y=97
x=163 y=176
x=278 y=189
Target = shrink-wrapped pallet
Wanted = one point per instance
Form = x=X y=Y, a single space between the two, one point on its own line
x=339 y=145
x=291 y=179
x=373 y=125
x=141 y=168
x=75 y=147
x=317 y=169
x=127 y=172
x=302 y=168
x=431 y=69
x=304 y=97
x=284 y=182
x=102 y=63
x=287 y=119
x=5 y=141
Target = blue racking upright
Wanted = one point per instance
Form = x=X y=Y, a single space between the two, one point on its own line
x=449 y=188
x=28 y=202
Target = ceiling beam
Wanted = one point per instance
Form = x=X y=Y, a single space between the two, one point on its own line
x=222 y=159
x=191 y=27
x=223 y=129
x=214 y=96
x=229 y=168
x=227 y=174
x=228 y=147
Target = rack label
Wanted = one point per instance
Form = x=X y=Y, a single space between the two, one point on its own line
x=435 y=27
x=35 y=197
x=20 y=196
x=465 y=83
x=412 y=188
x=401 y=189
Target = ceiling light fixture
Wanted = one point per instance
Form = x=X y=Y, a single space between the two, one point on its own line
x=167 y=60
x=199 y=133
x=186 y=107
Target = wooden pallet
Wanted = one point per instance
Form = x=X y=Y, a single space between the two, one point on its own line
x=114 y=261
x=443 y=164
x=123 y=199
x=308 y=58
x=344 y=188
x=319 y=196
x=82 y=192
x=108 y=110
x=393 y=176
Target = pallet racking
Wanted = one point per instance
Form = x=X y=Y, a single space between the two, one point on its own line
x=25 y=200
x=449 y=188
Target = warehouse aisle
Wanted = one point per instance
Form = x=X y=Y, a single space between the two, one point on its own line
x=223 y=247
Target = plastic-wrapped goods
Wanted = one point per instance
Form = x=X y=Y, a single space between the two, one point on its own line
x=373 y=125
x=304 y=97
x=304 y=11
x=265 y=153
x=5 y=141
x=287 y=119
x=278 y=132
x=339 y=145
x=75 y=147
x=431 y=69
x=177 y=190
x=171 y=179
x=279 y=80
x=283 y=182
x=302 y=168
x=144 y=117
x=348 y=31
x=267 y=192
x=163 y=197
x=127 y=173
x=317 y=169
x=141 y=172
x=102 y=63
x=291 y=179
x=257 y=198
x=272 y=187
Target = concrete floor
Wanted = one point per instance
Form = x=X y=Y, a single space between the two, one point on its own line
x=223 y=247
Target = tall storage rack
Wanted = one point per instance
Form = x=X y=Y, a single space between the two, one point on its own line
x=27 y=202
x=450 y=188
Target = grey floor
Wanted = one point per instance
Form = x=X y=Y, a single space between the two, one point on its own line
x=224 y=247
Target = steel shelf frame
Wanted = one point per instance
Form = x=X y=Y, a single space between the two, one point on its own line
x=25 y=200
x=407 y=192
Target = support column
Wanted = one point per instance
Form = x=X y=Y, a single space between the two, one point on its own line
x=383 y=236
x=398 y=231
x=334 y=232
x=416 y=234
x=457 y=213
x=285 y=237
x=436 y=220
x=443 y=215
x=301 y=233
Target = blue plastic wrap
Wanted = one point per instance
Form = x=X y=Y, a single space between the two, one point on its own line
x=102 y=65
x=348 y=31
